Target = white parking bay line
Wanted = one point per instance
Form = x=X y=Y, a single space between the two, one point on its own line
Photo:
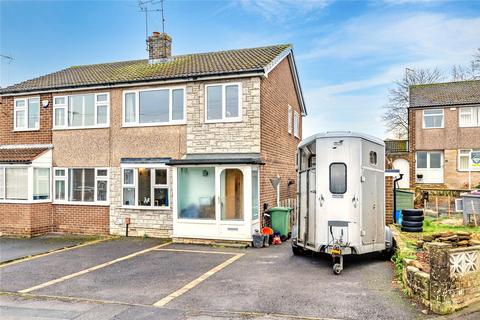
x=85 y=271
x=196 y=251
x=197 y=281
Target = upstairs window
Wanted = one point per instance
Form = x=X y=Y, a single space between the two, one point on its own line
x=433 y=118
x=296 y=124
x=154 y=107
x=26 y=114
x=223 y=102
x=469 y=117
x=81 y=111
x=290 y=119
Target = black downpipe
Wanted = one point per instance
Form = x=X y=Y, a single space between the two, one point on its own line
x=395 y=197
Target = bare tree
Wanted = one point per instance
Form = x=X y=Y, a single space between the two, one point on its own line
x=396 y=113
x=467 y=72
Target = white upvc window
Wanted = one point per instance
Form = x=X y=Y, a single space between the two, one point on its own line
x=290 y=119
x=145 y=187
x=223 y=102
x=19 y=184
x=433 y=118
x=81 y=111
x=469 y=160
x=81 y=185
x=296 y=124
x=26 y=114
x=154 y=107
x=469 y=117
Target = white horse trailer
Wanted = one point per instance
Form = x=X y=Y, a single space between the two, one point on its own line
x=341 y=196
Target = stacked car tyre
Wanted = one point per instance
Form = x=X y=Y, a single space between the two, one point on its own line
x=412 y=220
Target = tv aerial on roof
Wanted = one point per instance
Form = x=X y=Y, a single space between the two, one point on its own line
x=144 y=6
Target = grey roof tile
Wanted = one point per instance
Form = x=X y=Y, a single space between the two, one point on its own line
x=182 y=66
x=444 y=94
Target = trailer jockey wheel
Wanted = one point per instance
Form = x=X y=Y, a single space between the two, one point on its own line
x=338 y=267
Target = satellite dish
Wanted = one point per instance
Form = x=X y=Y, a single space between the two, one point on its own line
x=45 y=103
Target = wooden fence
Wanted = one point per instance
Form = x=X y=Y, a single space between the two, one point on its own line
x=291 y=203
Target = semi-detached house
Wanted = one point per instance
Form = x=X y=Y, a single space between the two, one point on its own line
x=180 y=146
x=444 y=135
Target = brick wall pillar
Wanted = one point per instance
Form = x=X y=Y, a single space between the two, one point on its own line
x=388 y=200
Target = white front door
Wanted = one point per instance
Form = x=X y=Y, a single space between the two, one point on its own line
x=213 y=202
x=429 y=167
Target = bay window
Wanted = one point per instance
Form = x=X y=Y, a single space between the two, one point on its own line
x=82 y=185
x=469 y=117
x=41 y=183
x=154 y=107
x=145 y=187
x=81 y=111
x=433 y=118
x=26 y=114
x=223 y=102
x=24 y=183
x=16 y=183
x=469 y=160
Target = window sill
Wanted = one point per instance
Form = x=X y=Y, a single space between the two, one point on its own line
x=146 y=208
x=236 y=120
x=161 y=124
x=196 y=221
x=74 y=203
x=18 y=201
x=81 y=128
x=433 y=128
x=22 y=130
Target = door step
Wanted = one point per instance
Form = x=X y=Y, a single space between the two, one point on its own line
x=215 y=243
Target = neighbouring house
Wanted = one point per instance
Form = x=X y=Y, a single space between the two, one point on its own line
x=444 y=135
x=179 y=146
x=396 y=157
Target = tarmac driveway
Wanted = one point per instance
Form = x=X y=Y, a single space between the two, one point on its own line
x=146 y=279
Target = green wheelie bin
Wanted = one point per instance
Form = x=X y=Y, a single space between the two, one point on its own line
x=281 y=220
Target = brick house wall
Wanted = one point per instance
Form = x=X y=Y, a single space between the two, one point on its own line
x=41 y=136
x=25 y=219
x=278 y=147
x=84 y=219
x=449 y=139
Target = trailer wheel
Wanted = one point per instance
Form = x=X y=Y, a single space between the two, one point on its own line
x=337 y=268
x=298 y=251
x=412 y=213
x=413 y=218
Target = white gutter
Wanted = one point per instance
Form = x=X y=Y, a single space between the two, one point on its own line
x=137 y=84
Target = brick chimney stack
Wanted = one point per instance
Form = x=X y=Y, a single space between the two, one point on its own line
x=159 y=47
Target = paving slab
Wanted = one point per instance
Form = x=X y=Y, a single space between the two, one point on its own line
x=144 y=279
x=15 y=248
x=33 y=272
